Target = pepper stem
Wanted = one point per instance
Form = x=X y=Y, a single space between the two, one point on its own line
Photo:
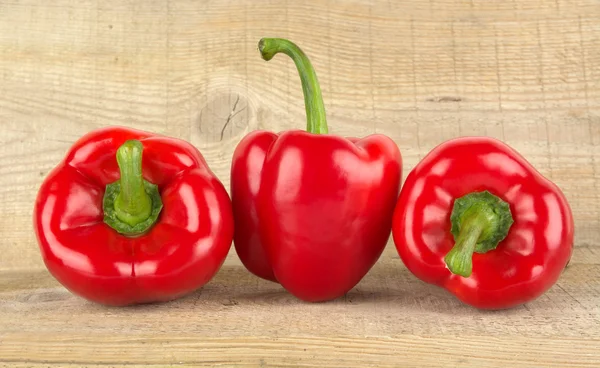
x=459 y=259
x=316 y=121
x=131 y=204
x=480 y=221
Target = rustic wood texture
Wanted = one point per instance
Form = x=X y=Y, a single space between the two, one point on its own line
x=420 y=71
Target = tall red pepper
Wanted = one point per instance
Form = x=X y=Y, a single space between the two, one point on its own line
x=312 y=210
x=130 y=217
x=476 y=218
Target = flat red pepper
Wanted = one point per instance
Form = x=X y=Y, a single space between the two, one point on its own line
x=313 y=211
x=117 y=232
x=476 y=218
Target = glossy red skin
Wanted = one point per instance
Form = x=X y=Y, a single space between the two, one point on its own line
x=178 y=255
x=313 y=212
x=525 y=264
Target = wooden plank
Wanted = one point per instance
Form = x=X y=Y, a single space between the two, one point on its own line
x=390 y=318
x=406 y=351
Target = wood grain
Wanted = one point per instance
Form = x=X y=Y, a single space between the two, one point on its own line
x=527 y=72
x=390 y=319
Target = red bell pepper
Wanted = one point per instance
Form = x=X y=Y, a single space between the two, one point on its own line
x=117 y=232
x=476 y=218
x=313 y=211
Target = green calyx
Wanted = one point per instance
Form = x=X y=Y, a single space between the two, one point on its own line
x=131 y=204
x=316 y=121
x=480 y=221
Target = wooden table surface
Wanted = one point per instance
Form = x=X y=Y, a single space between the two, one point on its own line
x=420 y=71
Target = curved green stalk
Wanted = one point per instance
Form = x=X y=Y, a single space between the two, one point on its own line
x=316 y=121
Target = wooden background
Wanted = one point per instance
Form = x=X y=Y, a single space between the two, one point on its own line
x=420 y=71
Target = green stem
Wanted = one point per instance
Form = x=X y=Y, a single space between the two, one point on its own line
x=316 y=121
x=480 y=221
x=131 y=204
x=460 y=258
